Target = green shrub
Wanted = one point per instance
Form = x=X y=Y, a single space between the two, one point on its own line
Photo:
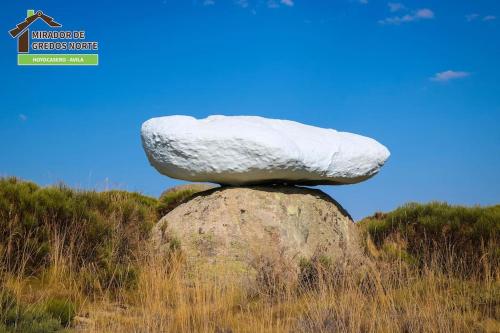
x=15 y=317
x=438 y=233
x=61 y=309
x=103 y=230
x=8 y=303
x=35 y=322
x=394 y=252
x=170 y=200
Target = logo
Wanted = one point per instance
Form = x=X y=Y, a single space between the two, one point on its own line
x=54 y=46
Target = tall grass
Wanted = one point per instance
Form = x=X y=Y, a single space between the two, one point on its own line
x=61 y=246
x=81 y=260
x=455 y=238
x=389 y=298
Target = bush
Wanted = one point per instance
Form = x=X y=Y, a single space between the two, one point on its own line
x=437 y=233
x=102 y=230
x=15 y=317
x=177 y=195
x=61 y=309
x=170 y=200
x=35 y=322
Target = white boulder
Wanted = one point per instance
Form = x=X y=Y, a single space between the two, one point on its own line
x=241 y=150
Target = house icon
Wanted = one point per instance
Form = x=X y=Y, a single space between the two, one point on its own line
x=21 y=31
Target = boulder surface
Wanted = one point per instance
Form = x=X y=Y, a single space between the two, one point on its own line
x=234 y=227
x=245 y=150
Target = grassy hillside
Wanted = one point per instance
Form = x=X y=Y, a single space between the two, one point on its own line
x=91 y=229
x=55 y=233
x=461 y=240
x=79 y=260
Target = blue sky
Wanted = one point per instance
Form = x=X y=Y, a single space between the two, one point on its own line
x=421 y=77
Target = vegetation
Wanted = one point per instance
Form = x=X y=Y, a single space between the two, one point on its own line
x=177 y=195
x=94 y=232
x=50 y=317
x=58 y=246
x=79 y=260
x=61 y=309
x=170 y=200
x=459 y=239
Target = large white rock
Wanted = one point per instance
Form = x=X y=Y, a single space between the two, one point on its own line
x=250 y=150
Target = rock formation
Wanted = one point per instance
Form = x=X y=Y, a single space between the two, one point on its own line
x=234 y=227
x=254 y=150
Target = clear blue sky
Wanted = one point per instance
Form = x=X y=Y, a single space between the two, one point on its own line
x=421 y=77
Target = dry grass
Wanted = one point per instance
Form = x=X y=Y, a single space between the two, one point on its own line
x=392 y=299
x=390 y=293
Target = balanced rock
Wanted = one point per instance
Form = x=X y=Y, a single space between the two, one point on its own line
x=233 y=227
x=244 y=150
